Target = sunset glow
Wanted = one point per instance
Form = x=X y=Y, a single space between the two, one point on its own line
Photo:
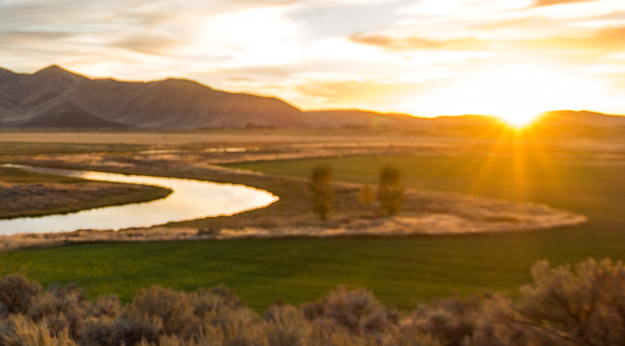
x=510 y=58
x=516 y=93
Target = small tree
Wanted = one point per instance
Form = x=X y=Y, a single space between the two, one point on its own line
x=321 y=191
x=367 y=195
x=390 y=190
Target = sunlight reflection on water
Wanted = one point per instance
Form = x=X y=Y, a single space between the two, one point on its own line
x=191 y=199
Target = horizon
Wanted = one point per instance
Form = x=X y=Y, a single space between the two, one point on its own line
x=507 y=58
x=512 y=123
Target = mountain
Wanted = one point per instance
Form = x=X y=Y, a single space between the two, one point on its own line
x=360 y=119
x=570 y=118
x=54 y=97
x=57 y=98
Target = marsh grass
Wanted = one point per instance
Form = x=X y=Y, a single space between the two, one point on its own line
x=34 y=194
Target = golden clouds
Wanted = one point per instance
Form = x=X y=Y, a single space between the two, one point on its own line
x=387 y=55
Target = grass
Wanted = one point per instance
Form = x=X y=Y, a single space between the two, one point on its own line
x=591 y=187
x=20 y=176
x=400 y=271
x=25 y=148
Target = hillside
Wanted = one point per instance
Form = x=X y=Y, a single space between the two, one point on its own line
x=54 y=97
x=580 y=118
x=57 y=98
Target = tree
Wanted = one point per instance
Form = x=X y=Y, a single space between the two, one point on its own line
x=367 y=195
x=321 y=191
x=390 y=190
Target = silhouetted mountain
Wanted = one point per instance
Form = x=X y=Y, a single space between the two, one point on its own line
x=54 y=97
x=579 y=118
x=360 y=118
x=70 y=116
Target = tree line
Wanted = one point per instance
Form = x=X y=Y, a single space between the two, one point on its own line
x=390 y=191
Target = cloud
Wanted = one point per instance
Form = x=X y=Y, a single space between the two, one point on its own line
x=557 y=2
x=607 y=40
x=377 y=54
x=149 y=44
x=611 y=39
x=407 y=43
x=23 y=37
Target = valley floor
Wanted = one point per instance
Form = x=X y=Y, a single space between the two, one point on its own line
x=582 y=176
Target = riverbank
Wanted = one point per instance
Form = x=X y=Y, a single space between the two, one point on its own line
x=30 y=194
x=424 y=213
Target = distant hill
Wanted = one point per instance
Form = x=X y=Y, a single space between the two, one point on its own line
x=359 y=119
x=57 y=98
x=54 y=97
x=580 y=118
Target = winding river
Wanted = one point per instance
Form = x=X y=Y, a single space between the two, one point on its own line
x=190 y=199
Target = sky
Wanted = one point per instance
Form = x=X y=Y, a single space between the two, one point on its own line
x=512 y=58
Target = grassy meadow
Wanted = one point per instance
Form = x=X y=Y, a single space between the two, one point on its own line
x=400 y=271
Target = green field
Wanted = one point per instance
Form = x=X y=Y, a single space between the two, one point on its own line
x=400 y=271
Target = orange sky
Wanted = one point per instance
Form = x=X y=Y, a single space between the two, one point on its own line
x=429 y=57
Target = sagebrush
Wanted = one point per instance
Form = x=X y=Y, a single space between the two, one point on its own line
x=584 y=306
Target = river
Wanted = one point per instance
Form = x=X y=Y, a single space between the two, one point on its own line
x=190 y=199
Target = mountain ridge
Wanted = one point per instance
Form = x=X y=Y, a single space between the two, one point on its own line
x=27 y=99
x=55 y=97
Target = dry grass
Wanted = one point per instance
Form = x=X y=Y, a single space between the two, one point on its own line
x=424 y=212
x=55 y=198
x=191 y=155
x=34 y=194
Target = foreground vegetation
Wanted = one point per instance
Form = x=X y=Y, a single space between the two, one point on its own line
x=400 y=271
x=35 y=194
x=560 y=307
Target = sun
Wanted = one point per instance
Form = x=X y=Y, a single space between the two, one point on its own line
x=517 y=94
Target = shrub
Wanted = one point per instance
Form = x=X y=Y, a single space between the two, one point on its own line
x=390 y=190
x=64 y=308
x=16 y=294
x=585 y=306
x=107 y=306
x=321 y=191
x=357 y=311
x=171 y=307
x=581 y=307
x=214 y=299
x=25 y=332
x=286 y=326
x=410 y=336
x=132 y=331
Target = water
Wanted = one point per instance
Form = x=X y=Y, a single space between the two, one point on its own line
x=191 y=199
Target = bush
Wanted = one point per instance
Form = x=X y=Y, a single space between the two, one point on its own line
x=390 y=190
x=286 y=326
x=357 y=311
x=321 y=191
x=16 y=293
x=25 y=332
x=171 y=308
x=581 y=307
x=585 y=306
